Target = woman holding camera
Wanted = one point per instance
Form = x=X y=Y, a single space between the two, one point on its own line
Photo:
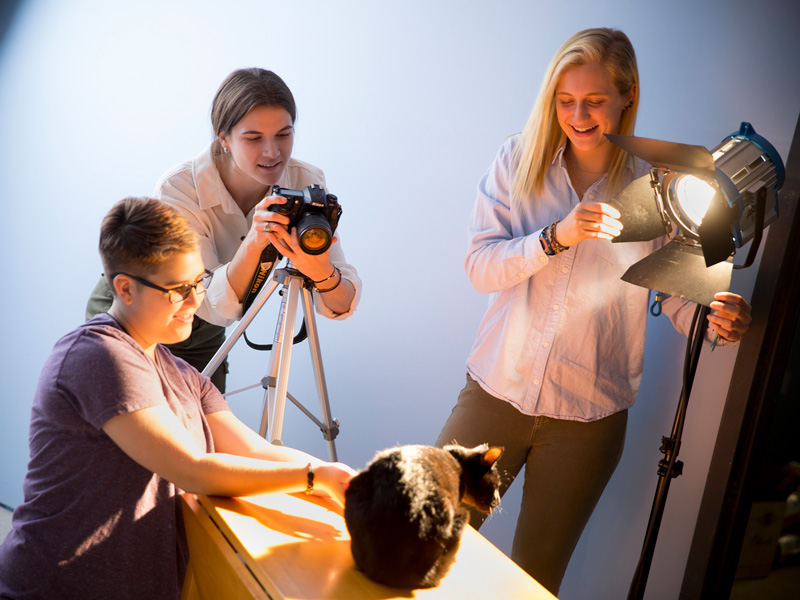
x=225 y=193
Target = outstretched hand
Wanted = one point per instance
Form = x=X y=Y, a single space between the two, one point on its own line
x=731 y=316
x=588 y=220
x=332 y=479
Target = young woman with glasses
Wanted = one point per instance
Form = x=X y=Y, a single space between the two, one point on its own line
x=120 y=427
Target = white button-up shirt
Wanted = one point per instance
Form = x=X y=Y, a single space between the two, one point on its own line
x=563 y=335
x=196 y=189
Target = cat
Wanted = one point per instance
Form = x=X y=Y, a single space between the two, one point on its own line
x=404 y=513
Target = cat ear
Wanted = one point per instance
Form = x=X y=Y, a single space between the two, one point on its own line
x=491 y=456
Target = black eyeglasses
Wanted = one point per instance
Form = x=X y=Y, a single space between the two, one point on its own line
x=176 y=294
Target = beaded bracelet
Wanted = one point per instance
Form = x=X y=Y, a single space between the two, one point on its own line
x=547 y=238
x=554 y=242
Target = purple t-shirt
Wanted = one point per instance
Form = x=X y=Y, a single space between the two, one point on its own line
x=94 y=523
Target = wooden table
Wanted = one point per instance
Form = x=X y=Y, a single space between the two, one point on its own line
x=283 y=546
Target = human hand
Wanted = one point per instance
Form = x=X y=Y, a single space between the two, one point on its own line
x=586 y=221
x=316 y=267
x=332 y=480
x=266 y=220
x=731 y=316
x=272 y=227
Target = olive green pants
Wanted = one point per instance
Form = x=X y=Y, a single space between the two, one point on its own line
x=198 y=349
x=567 y=466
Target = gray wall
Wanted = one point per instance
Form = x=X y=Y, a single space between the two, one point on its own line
x=403 y=105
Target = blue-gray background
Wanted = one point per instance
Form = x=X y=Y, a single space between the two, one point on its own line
x=403 y=105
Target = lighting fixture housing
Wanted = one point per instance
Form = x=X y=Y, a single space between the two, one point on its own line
x=711 y=203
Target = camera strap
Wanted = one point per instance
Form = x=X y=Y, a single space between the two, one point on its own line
x=269 y=258
x=266 y=264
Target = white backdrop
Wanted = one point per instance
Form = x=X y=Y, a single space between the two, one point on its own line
x=403 y=105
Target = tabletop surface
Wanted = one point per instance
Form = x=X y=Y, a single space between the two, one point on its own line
x=298 y=547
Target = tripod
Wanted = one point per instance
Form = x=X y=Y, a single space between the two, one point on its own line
x=275 y=383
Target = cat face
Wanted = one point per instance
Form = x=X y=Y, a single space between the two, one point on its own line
x=480 y=481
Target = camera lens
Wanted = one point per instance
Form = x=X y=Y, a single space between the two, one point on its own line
x=314 y=233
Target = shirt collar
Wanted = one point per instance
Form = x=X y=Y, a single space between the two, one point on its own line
x=211 y=191
x=559 y=157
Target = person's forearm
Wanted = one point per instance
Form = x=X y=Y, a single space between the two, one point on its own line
x=339 y=299
x=228 y=475
x=231 y=436
x=284 y=454
x=504 y=263
x=242 y=267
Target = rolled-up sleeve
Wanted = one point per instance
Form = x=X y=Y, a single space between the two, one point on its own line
x=499 y=257
x=221 y=305
x=349 y=273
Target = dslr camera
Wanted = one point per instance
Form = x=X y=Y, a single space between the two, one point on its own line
x=312 y=212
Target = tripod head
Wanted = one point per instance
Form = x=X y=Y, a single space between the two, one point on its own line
x=281 y=275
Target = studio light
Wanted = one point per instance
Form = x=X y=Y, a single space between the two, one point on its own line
x=712 y=203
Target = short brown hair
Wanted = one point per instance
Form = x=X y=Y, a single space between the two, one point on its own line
x=142 y=233
x=243 y=90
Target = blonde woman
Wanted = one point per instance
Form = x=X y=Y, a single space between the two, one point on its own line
x=559 y=354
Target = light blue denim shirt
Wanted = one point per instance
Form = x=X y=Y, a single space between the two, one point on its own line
x=563 y=335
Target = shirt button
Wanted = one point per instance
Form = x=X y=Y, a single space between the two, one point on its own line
x=591 y=196
x=542 y=259
x=555 y=306
x=565 y=269
x=545 y=345
x=536 y=382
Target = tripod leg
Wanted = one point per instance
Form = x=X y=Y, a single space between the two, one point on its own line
x=281 y=359
x=268 y=382
x=331 y=426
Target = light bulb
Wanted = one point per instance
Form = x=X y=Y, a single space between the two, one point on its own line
x=694 y=197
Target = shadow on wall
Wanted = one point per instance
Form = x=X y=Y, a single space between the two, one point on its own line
x=8 y=10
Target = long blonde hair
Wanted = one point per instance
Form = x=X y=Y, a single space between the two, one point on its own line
x=543 y=136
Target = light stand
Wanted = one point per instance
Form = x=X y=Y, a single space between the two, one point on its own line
x=712 y=203
x=275 y=383
x=670 y=467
